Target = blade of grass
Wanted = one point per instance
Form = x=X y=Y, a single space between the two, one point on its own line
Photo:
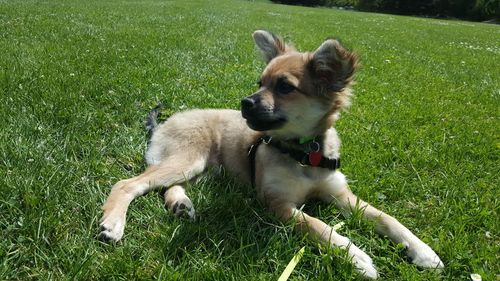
x=291 y=265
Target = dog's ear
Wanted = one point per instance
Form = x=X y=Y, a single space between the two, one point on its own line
x=333 y=66
x=270 y=45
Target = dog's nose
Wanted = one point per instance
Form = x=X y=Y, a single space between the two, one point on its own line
x=247 y=103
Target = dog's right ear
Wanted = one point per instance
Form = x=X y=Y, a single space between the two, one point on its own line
x=270 y=45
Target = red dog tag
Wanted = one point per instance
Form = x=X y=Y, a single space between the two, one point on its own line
x=315 y=158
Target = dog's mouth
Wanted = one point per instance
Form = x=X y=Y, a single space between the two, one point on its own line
x=263 y=121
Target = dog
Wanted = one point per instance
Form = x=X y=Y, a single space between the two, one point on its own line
x=282 y=142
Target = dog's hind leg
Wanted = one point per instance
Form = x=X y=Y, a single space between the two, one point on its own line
x=173 y=170
x=179 y=203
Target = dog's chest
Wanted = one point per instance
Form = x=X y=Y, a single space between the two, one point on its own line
x=284 y=179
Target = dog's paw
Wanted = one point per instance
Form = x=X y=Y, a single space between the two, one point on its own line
x=363 y=263
x=112 y=228
x=183 y=208
x=423 y=256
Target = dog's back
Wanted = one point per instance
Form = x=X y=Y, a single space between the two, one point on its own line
x=219 y=137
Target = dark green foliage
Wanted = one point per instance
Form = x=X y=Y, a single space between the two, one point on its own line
x=326 y=3
x=476 y=9
x=467 y=9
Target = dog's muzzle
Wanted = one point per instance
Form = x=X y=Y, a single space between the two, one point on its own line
x=259 y=117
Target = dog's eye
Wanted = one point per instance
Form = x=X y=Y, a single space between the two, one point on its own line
x=284 y=88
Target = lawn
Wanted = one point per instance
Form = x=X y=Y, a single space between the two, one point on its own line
x=77 y=78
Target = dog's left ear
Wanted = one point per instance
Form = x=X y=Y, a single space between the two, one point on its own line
x=333 y=65
x=270 y=45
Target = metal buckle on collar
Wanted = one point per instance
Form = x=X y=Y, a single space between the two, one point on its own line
x=266 y=139
x=314 y=146
x=250 y=149
x=311 y=146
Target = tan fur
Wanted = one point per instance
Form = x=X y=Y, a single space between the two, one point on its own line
x=188 y=142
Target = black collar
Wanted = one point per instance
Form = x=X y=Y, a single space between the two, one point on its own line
x=306 y=154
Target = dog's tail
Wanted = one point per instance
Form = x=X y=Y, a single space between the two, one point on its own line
x=152 y=119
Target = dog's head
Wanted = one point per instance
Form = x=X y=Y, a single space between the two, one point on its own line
x=300 y=94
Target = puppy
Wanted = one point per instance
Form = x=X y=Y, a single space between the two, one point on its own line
x=282 y=143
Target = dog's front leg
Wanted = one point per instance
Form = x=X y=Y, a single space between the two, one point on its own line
x=322 y=232
x=420 y=253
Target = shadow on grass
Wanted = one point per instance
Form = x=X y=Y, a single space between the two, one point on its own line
x=235 y=231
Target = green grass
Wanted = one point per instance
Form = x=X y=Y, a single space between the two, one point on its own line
x=77 y=78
